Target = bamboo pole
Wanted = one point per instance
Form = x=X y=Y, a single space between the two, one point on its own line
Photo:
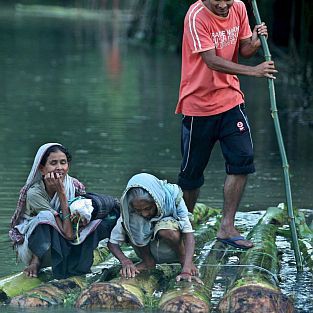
x=285 y=165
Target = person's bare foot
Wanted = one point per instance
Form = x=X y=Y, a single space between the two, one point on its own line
x=33 y=268
x=144 y=266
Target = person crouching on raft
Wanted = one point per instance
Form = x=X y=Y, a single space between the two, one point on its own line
x=154 y=219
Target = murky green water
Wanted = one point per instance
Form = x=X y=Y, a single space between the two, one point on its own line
x=77 y=82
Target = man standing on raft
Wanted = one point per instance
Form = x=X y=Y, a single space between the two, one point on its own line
x=215 y=32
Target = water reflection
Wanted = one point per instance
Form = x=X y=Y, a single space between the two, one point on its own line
x=79 y=83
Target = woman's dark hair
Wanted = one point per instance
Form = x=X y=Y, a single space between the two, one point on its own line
x=55 y=148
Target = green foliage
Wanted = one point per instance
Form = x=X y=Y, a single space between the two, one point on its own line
x=173 y=23
x=159 y=23
x=70 y=300
x=151 y=302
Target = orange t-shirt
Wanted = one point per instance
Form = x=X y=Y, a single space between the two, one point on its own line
x=204 y=91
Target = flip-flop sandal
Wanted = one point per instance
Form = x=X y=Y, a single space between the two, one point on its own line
x=231 y=242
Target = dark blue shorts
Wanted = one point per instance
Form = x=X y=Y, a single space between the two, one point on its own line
x=200 y=133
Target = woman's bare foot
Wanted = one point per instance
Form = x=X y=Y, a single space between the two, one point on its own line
x=144 y=266
x=33 y=268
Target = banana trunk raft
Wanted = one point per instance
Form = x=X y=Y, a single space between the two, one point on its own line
x=255 y=287
x=138 y=292
x=18 y=284
x=195 y=297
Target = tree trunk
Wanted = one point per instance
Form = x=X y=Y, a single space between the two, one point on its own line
x=186 y=297
x=121 y=293
x=18 y=283
x=192 y=297
x=55 y=292
x=143 y=24
x=256 y=288
x=66 y=291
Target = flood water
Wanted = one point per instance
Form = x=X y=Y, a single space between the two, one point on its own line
x=78 y=82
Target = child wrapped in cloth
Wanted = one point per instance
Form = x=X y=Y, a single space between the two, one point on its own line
x=154 y=219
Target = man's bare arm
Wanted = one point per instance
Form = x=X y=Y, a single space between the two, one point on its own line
x=265 y=69
x=248 y=47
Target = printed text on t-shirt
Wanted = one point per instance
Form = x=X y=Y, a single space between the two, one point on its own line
x=225 y=38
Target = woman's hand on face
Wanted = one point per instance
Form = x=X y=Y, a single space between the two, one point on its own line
x=54 y=181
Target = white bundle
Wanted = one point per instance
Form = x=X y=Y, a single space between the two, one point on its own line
x=83 y=207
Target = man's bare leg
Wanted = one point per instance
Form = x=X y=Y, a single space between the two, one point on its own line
x=233 y=190
x=190 y=197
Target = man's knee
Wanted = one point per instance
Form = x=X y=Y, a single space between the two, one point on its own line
x=241 y=165
x=189 y=182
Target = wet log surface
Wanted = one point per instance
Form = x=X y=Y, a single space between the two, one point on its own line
x=305 y=239
x=19 y=284
x=255 y=288
x=52 y=293
x=256 y=299
x=135 y=292
x=192 y=297
x=121 y=293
